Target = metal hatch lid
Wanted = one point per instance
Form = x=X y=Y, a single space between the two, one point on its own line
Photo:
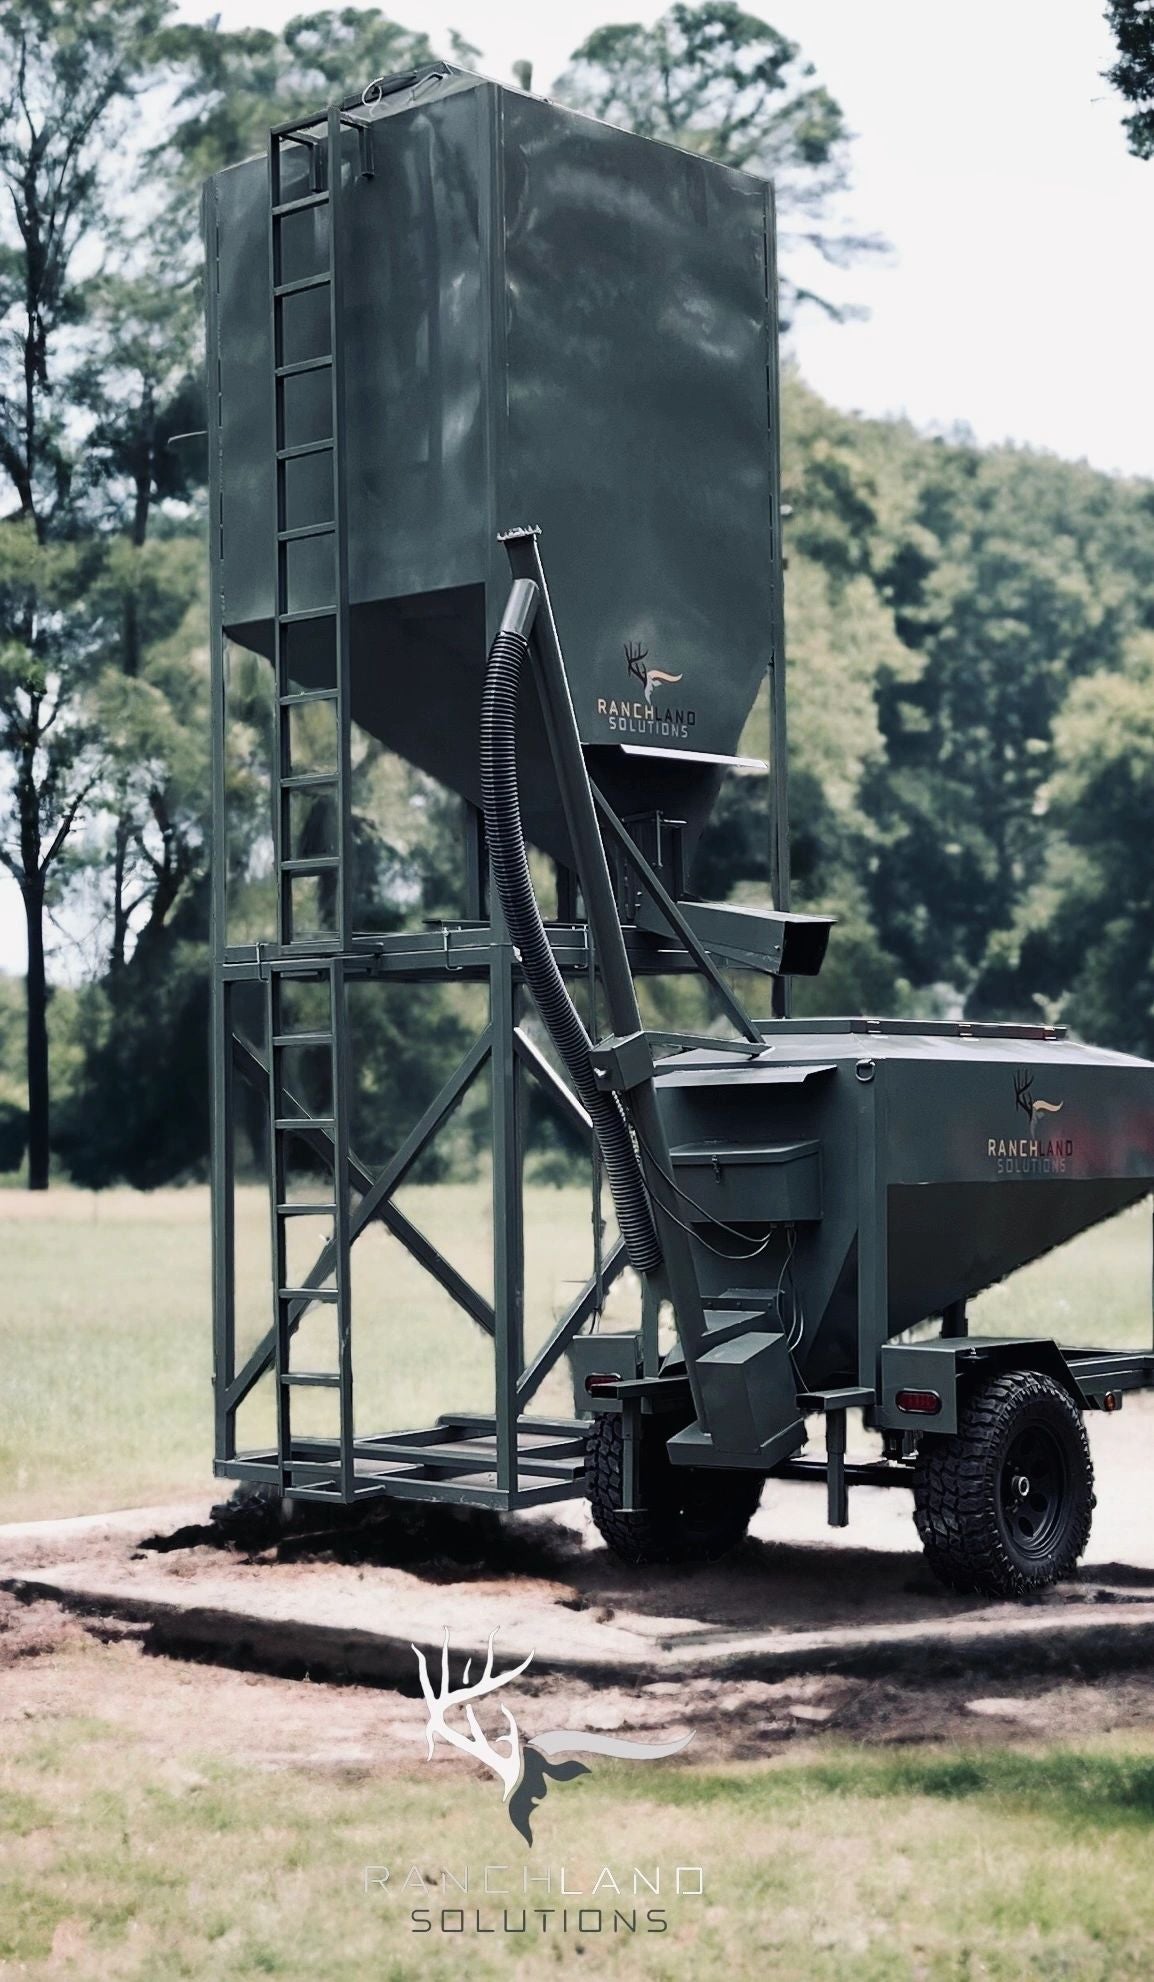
x=785 y=1073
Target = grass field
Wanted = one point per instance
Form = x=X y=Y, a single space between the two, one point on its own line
x=105 y=1336
x=923 y=1865
x=138 y=1848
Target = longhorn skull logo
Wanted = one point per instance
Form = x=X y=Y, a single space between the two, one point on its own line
x=525 y=1769
x=635 y=658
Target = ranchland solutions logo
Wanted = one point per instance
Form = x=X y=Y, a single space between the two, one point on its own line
x=625 y=1900
x=654 y=715
x=1035 y=1154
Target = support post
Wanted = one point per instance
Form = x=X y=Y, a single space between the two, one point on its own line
x=873 y=1234
x=508 y=1210
x=223 y=1101
x=779 y=864
x=837 y=1492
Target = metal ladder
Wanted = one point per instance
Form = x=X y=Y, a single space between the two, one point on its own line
x=328 y=1282
x=321 y=935
x=325 y=625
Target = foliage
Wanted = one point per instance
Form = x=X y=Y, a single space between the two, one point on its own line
x=1081 y=945
x=969 y=631
x=233 y=86
x=140 y=1112
x=70 y=74
x=1132 y=23
x=717 y=80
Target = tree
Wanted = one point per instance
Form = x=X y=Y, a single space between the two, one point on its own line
x=1081 y=948
x=69 y=73
x=236 y=85
x=1132 y=75
x=1017 y=575
x=140 y=387
x=722 y=82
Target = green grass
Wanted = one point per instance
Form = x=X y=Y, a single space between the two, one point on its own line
x=999 y=1865
x=105 y=1335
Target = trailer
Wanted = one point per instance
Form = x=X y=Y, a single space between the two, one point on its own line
x=456 y=336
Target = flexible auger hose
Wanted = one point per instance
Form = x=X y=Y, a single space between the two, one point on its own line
x=542 y=973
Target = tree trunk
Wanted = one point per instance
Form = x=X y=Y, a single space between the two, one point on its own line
x=37 y=1017
x=119 y=894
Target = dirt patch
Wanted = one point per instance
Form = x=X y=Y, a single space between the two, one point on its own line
x=55 y=1665
x=183 y=1699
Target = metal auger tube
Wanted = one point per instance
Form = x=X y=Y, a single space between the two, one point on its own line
x=678 y=1276
x=515 y=888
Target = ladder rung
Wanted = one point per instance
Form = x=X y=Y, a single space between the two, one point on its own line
x=299 y=695
x=305 y=530
x=328 y=1294
x=299 y=125
x=315 y=1038
x=299 y=619
x=298 y=206
x=297 y=1209
x=308 y=780
x=319 y=863
x=303 y=282
x=312 y=1379
x=303 y=365
x=304 y=1122
x=305 y=447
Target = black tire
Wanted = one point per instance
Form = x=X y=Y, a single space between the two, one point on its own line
x=1004 y=1506
x=690 y=1514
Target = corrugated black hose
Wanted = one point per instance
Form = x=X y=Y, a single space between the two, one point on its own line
x=542 y=973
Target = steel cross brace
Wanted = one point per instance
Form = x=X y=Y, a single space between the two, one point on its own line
x=375 y=1203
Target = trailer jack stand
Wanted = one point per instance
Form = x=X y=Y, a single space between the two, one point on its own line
x=631 y=1456
x=837 y=1488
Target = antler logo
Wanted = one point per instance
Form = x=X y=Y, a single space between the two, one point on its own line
x=635 y=659
x=524 y=1769
x=1024 y=1098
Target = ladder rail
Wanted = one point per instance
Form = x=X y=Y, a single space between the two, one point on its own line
x=332 y=878
x=319 y=936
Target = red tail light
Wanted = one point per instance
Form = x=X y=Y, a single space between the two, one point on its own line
x=923 y=1403
x=602 y=1381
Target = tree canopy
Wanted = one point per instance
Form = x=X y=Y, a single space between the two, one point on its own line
x=970 y=631
x=1132 y=75
x=723 y=82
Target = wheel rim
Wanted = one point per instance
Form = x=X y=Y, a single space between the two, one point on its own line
x=1033 y=1492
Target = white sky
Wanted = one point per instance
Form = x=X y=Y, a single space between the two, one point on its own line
x=1019 y=297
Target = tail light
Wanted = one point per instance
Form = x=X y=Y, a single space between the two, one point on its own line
x=920 y=1403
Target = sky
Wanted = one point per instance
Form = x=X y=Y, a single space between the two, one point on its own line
x=1018 y=295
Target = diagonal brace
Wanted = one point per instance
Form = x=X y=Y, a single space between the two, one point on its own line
x=374 y=1203
x=654 y=887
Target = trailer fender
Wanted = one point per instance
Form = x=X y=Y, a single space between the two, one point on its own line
x=938 y=1373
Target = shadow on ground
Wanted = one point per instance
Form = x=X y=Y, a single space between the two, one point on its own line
x=794 y=1585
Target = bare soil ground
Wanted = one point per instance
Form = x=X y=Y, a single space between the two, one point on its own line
x=54 y=1662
